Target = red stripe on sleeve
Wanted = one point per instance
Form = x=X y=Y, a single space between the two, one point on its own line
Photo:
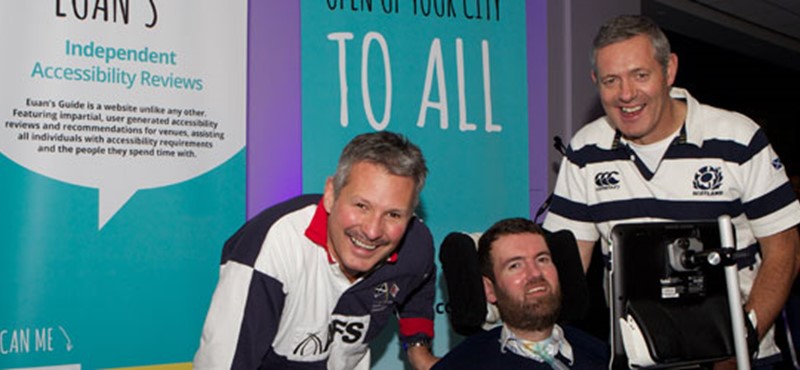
x=411 y=326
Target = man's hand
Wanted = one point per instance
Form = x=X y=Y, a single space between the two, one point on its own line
x=780 y=263
x=421 y=357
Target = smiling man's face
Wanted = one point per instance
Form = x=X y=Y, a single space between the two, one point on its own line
x=368 y=218
x=525 y=287
x=634 y=89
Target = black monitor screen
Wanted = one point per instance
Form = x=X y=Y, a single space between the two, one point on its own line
x=681 y=306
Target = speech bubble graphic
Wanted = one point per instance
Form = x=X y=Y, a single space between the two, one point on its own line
x=116 y=158
x=141 y=109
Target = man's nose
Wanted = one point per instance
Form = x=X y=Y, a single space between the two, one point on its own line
x=534 y=270
x=373 y=226
x=627 y=90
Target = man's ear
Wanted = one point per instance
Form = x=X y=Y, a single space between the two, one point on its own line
x=594 y=77
x=488 y=289
x=328 y=197
x=672 y=69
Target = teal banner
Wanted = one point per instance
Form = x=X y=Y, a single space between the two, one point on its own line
x=452 y=76
x=122 y=158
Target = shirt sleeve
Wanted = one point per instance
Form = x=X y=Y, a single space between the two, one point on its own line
x=569 y=209
x=416 y=313
x=768 y=199
x=245 y=309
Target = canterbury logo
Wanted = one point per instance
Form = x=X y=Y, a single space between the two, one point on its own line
x=607 y=180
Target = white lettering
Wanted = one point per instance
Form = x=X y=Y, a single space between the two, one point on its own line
x=434 y=73
x=463 y=125
x=44 y=340
x=340 y=38
x=434 y=62
x=487 y=89
x=387 y=109
x=15 y=341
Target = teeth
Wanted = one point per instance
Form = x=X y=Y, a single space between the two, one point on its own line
x=534 y=290
x=631 y=109
x=362 y=245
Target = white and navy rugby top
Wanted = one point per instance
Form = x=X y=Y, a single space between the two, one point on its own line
x=720 y=163
x=282 y=302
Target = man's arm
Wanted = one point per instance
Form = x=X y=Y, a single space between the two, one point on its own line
x=780 y=264
x=420 y=328
x=223 y=344
x=233 y=307
x=416 y=313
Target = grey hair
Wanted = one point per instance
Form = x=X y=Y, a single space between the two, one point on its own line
x=392 y=151
x=624 y=27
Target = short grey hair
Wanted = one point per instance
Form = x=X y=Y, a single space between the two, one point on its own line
x=390 y=150
x=624 y=27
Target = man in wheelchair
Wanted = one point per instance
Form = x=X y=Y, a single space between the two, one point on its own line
x=520 y=278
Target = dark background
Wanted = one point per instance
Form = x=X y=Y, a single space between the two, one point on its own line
x=764 y=91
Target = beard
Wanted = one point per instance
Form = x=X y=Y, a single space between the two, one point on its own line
x=531 y=314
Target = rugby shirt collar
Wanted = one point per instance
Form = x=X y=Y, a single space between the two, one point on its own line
x=692 y=131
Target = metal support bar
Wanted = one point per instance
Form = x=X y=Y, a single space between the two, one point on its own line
x=734 y=298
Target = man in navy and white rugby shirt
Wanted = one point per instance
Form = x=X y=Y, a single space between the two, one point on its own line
x=660 y=155
x=308 y=283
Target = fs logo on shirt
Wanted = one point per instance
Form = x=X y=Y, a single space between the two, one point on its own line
x=606 y=180
x=345 y=329
x=707 y=181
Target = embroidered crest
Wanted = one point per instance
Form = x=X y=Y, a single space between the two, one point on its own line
x=707 y=181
